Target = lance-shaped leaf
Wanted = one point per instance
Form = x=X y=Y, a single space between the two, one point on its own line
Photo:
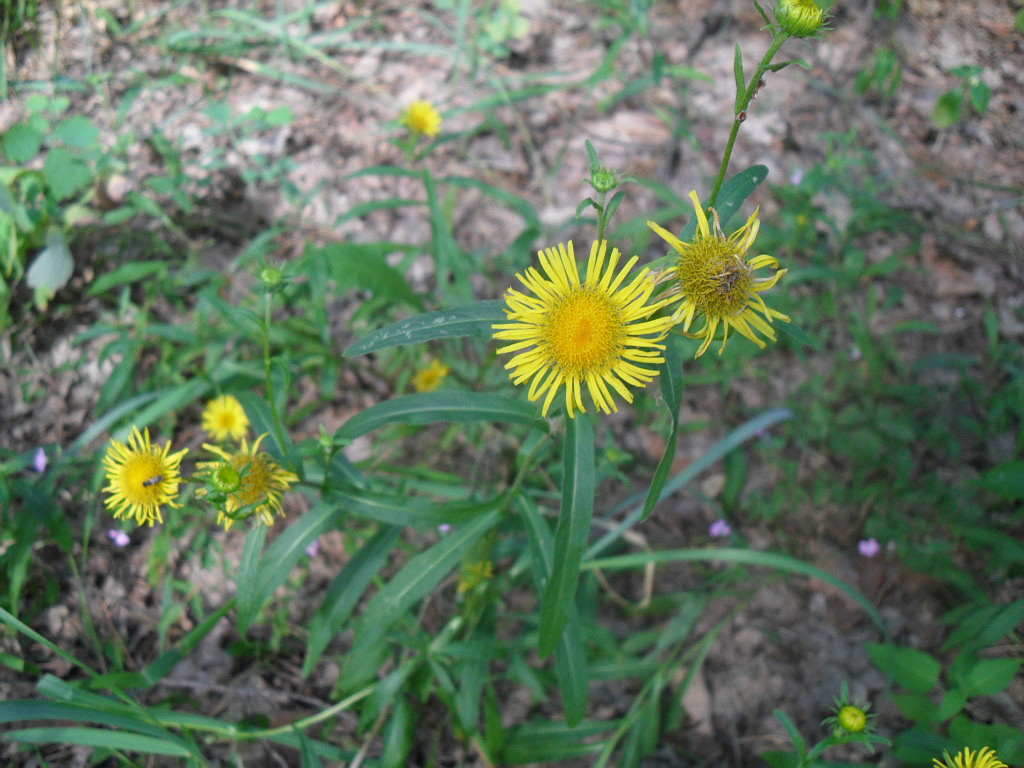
x=473 y=319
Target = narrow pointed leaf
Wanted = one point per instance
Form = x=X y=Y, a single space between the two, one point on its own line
x=570 y=534
x=741 y=81
x=672 y=390
x=473 y=319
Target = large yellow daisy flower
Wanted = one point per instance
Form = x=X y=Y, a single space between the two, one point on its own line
x=715 y=278
x=141 y=477
x=569 y=332
x=224 y=419
x=249 y=482
x=985 y=758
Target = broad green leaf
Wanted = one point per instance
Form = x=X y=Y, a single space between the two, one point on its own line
x=911 y=668
x=430 y=407
x=365 y=266
x=126 y=274
x=988 y=677
x=571 y=532
x=51 y=269
x=66 y=173
x=734 y=193
x=671 y=382
x=96 y=737
x=918 y=707
x=470 y=320
x=248 y=573
x=949 y=108
x=414 y=582
x=570 y=656
x=77 y=131
x=278 y=560
x=21 y=143
x=410 y=511
x=345 y=591
x=1005 y=480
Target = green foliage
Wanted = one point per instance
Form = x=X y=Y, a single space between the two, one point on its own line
x=955 y=105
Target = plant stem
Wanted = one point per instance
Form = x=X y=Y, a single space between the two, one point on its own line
x=744 y=102
x=271 y=399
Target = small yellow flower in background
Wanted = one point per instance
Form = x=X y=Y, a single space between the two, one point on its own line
x=141 y=477
x=800 y=18
x=430 y=378
x=714 y=277
x=570 y=332
x=985 y=758
x=422 y=117
x=248 y=479
x=475 y=574
x=224 y=419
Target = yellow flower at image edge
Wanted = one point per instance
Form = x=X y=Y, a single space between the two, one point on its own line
x=596 y=331
x=800 y=18
x=430 y=378
x=984 y=758
x=224 y=419
x=141 y=477
x=422 y=117
x=248 y=478
x=714 y=277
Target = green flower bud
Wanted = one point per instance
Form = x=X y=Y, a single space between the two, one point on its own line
x=226 y=479
x=799 y=18
x=604 y=180
x=852 y=719
x=271 y=277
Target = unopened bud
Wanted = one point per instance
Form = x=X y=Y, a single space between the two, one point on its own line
x=799 y=18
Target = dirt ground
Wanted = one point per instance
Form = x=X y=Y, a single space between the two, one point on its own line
x=795 y=642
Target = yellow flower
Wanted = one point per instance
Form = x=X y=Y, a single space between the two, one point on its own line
x=569 y=332
x=224 y=419
x=141 y=477
x=852 y=719
x=421 y=117
x=475 y=574
x=430 y=378
x=800 y=18
x=714 y=277
x=248 y=480
x=986 y=758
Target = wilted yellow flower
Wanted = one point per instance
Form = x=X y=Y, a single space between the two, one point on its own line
x=714 y=277
x=422 y=117
x=141 y=477
x=985 y=758
x=800 y=18
x=224 y=419
x=249 y=480
x=569 y=332
x=430 y=378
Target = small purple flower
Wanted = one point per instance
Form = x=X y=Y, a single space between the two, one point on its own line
x=443 y=528
x=313 y=548
x=39 y=461
x=868 y=547
x=119 y=537
x=719 y=529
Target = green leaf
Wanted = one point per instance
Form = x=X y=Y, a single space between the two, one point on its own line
x=741 y=80
x=96 y=737
x=66 y=173
x=570 y=657
x=917 y=707
x=571 y=532
x=278 y=561
x=248 y=572
x=593 y=160
x=431 y=407
x=416 y=580
x=672 y=391
x=21 y=143
x=911 y=668
x=1005 y=480
x=410 y=511
x=365 y=266
x=77 y=131
x=988 y=677
x=733 y=194
x=470 y=320
x=52 y=268
x=546 y=741
x=126 y=274
x=948 y=108
x=345 y=591
x=979 y=95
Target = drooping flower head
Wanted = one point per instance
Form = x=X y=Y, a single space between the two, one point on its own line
x=428 y=379
x=246 y=483
x=569 y=332
x=141 y=477
x=224 y=419
x=985 y=758
x=715 y=278
x=422 y=117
